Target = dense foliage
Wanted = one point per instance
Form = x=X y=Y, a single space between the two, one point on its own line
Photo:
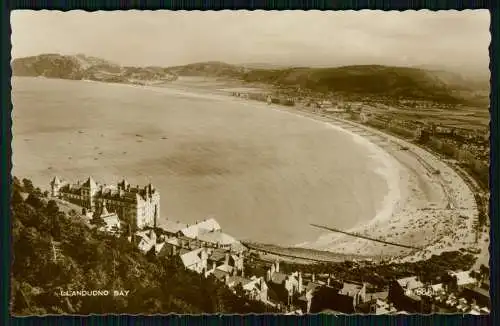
x=54 y=251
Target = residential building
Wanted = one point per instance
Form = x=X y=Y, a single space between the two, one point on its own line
x=379 y=307
x=464 y=279
x=285 y=285
x=146 y=240
x=356 y=291
x=222 y=263
x=195 y=260
x=170 y=248
x=477 y=295
x=402 y=295
x=305 y=300
x=327 y=298
x=217 y=239
x=255 y=287
x=135 y=206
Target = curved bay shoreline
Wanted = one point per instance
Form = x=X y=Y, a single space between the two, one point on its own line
x=416 y=213
x=435 y=211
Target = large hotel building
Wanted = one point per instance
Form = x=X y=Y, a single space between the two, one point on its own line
x=137 y=206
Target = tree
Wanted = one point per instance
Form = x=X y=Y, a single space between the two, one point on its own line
x=151 y=254
x=52 y=209
x=34 y=201
x=28 y=186
x=16 y=184
x=98 y=222
x=484 y=272
x=16 y=197
x=85 y=259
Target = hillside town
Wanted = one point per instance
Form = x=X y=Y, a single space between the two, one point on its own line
x=205 y=249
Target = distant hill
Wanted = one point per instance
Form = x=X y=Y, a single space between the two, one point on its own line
x=361 y=80
x=80 y=67
x=372 y=80
x=210 y=69
x=365 y=80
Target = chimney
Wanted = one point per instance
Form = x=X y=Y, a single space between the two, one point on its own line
x=277 y=266
x=313 y=278
x=226 y=259
x=328 y=281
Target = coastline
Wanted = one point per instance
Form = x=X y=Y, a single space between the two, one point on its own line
x=448 y=228
x=390 y=171
x=404 y=217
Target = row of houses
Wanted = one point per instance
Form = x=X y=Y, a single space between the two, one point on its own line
x=464 y=294
x=204 y=249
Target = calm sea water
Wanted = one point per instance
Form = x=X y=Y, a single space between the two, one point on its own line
x=264 y=175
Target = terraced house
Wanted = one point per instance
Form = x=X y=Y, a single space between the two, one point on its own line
x=137 y=206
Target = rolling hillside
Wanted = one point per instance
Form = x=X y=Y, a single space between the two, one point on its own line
x=365 y=80
x=383 y=81
x=78 y=67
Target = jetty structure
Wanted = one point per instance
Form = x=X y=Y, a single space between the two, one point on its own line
x=356 y=235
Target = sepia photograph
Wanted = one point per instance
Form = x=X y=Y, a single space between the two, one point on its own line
x=250 y=162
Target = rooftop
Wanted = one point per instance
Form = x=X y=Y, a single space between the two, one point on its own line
x=172 y=226
x=350 y=289
x=191 y=257
x=216 y=237
x=193 y=231
x=220 y=274
x=278 y=277
x=463 y=278
x=311 y=286
x=410 y=283
x=235 y=280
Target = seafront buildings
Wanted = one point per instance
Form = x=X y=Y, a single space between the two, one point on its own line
x=136 y=206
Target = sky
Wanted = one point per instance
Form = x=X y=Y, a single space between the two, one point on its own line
x=457 y=40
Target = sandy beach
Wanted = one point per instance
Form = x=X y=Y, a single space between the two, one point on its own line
x=433 y=211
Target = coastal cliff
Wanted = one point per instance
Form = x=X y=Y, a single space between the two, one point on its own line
x=82 y=67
